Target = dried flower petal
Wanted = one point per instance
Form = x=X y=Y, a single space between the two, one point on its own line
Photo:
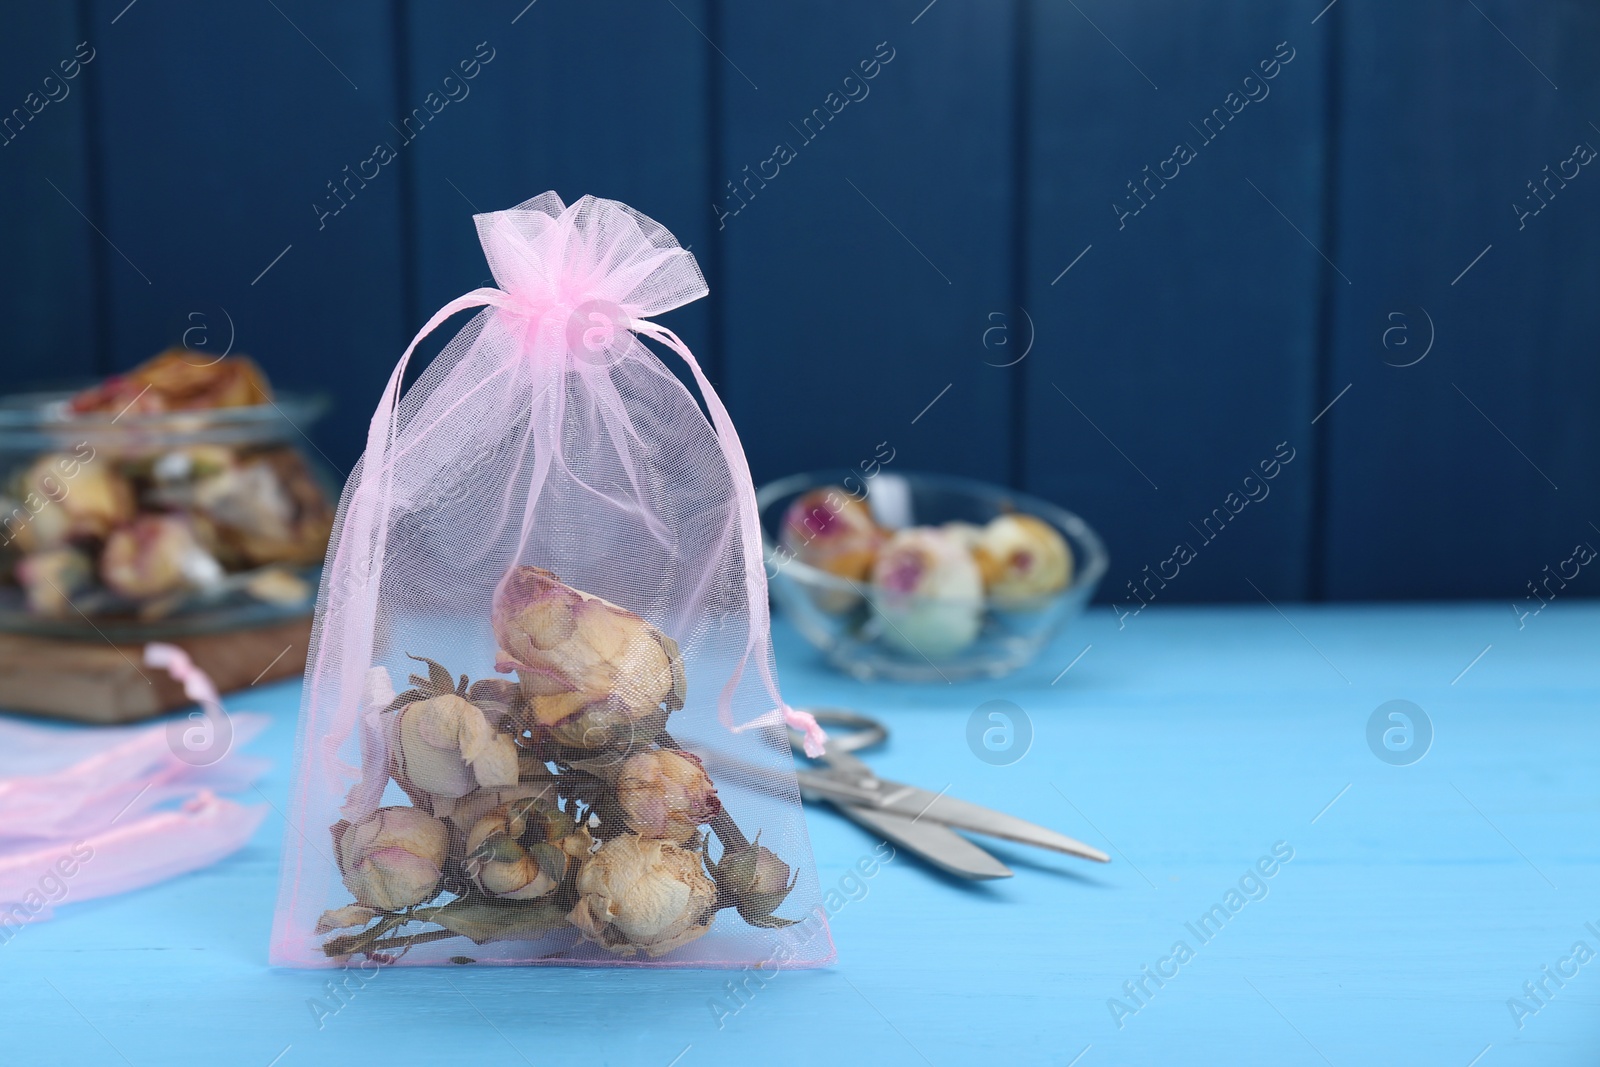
x=928 y=591
x=666 y=794
x=637 y=894
x=394 y=859
x=448 y=748
x=585 y=664
x=275 y=585
x=69 y=497
x=154 y=555
x=50 y=579
x=1022 y=559
x=267 y=508
x=178 y=380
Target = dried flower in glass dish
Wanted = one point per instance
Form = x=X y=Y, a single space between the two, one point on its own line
x=924 y=577
x=166 y=500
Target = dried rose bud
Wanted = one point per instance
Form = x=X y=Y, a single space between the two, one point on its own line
x=447 y=748
x=928 y=591
x=638 y=894
x=965 y=532
x=156 y=554
x=177 y=380
x=71 y=497
x=1022 y=559
x=756 y=880
x=394 y=859
x=267 y=507
x=276 y=585
x=187 y=464
x=464 y=813
x=771 y=874
x=588 y=667
x=246 y=497
x=523 y=850
x=666 y=794
x=51 y=577
x=832 y=531
x=503 y=868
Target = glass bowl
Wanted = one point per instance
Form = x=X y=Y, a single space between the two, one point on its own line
x=847 y=620
x=255 y=512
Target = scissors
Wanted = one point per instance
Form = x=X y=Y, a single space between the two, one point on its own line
x=915 y=818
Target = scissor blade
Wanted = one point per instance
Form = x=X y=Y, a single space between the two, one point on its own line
x=939 y=845
x=922 y=805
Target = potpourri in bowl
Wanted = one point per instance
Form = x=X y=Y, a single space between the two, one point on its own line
x=924 y=577
x=170 y=499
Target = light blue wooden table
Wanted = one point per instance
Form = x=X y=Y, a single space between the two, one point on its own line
x=1419 y=901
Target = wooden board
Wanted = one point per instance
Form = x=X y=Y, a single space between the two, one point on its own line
x=50 y=265
x=852 y=289
x=567 y=102
x=223 y=127
x=1475 y=467
x=100 y=682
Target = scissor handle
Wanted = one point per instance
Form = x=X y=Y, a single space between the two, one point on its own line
x=863 y=732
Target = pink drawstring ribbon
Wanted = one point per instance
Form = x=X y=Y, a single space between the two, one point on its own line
x=815 y=738
x=93 y=827
x=197 y=684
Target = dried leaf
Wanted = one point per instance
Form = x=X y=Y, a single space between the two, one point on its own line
x=409 y=697
x=442 y=682
x=509 y=921
x=438 y=682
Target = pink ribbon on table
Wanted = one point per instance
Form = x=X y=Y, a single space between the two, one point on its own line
x=122 y=857
x=94 y=826
x=197 y=684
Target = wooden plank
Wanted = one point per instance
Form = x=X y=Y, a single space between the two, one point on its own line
x=1444 y=474
x=861 y=271
x=223 y=127
x=48 y=285
x=1176 y=355
x=602 y=98
x=1237 y=736
x=100 y=682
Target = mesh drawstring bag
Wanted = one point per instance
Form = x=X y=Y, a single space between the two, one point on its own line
x=541 y=722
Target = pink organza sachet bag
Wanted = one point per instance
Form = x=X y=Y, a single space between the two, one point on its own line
x=541 y=723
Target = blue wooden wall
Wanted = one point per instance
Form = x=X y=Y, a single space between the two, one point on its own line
x=1121 y=255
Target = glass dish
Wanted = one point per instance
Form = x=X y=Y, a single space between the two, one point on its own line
x=72 y=481
x=842 y=618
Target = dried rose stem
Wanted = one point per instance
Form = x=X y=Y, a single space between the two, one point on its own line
x=411 y=939
x=360 y=942
x=368 y=940
x=727 y=832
